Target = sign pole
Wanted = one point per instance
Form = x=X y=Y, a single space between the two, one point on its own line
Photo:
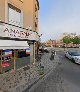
x=1 y=62
x=34 y=53
x=14 y=59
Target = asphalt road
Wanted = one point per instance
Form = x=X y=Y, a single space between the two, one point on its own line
x=65 y=78
x=70 y=74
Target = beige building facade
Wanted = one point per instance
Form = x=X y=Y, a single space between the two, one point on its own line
x=26 y=9
x=22 y=14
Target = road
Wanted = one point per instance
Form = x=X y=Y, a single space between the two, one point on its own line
x=65 y=78
x=70 y=74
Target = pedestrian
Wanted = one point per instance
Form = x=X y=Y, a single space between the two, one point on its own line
x=52 y=55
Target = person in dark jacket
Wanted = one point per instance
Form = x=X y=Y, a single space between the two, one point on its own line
x=52 y=55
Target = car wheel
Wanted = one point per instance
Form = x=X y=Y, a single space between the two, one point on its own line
x=66 y=56
x=73 y=60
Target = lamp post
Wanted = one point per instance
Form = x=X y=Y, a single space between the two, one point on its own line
x=39 y=44
x=36 y=50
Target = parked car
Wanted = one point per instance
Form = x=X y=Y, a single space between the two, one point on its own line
x=43 y=49
x=46 y=50
x=73 y=55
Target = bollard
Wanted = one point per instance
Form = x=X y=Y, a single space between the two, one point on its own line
x=41 y=69
x=52 y=57
x=53 y=53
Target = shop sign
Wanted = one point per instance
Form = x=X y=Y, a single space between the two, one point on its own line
x=16 y=32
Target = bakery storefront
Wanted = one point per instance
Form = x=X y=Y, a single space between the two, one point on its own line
x=17 y=47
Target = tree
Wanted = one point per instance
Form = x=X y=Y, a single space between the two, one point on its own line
x=71 y=38
x=67 y=39
x=76 y=40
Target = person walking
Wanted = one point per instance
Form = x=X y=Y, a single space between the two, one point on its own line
x=53 y=53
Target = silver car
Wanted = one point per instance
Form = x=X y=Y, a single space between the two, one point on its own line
x=73 y=55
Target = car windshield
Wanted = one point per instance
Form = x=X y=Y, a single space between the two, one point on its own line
x=75 y=53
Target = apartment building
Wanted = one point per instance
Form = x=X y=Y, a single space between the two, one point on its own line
x=23 y=13
x=20 y=18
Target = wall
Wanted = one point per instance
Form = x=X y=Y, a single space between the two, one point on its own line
x=27 y=8
x=36 y=15
x=2 y=9
x=28 y=13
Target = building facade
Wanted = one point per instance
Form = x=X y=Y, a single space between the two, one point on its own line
x=23 y=13
x=54 y=43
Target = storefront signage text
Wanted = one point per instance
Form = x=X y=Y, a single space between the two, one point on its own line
x=17 y=33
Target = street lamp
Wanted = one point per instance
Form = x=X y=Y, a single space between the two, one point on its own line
x=38 y=46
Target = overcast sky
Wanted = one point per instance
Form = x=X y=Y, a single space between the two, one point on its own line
x=58 y=16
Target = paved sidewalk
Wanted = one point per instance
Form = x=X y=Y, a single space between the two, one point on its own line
x=24 y=78
x=48 y=64
x=44 y=85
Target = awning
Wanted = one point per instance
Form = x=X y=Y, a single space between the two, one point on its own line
x=11 y=44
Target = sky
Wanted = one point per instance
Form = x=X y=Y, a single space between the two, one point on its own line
x=57 y=17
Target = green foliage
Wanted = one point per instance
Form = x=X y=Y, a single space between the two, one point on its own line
x=67 y=39
x=76 y=40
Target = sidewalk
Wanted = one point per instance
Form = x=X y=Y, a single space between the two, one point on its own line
x=23 y=79
x=47 y=63
x=48 y=66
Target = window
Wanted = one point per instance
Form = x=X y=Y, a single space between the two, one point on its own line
x=14 y=15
